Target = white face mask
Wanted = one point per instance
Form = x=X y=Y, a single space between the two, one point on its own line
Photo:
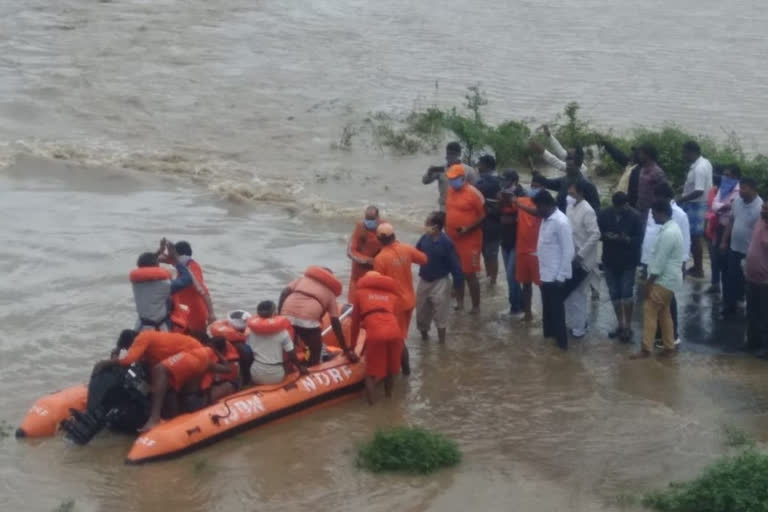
x=570 y=200
x=183 y=260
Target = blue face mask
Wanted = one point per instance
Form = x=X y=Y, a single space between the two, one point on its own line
x=456 y=183
x=532 y=192
x=370 y=224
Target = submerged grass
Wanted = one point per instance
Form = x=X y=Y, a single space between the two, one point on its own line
x=408 y=449
x=426 y=129
x=6 y=429
x=66 y=506
x=731 y=484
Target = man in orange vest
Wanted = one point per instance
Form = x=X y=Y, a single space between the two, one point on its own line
x=395 y=260
x=195 y=296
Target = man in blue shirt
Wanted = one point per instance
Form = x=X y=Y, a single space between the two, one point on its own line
x=489 y=184
x=433 y=293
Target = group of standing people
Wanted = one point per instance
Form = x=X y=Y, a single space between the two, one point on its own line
x=553 y=241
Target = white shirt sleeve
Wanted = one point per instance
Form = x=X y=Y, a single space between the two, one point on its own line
x=553 y=161
x=565 y=236
x=286 y=342
x=557 y=148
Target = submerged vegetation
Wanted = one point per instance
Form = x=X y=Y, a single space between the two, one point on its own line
x=427 y=129
x=407 y=449
x=731 y=484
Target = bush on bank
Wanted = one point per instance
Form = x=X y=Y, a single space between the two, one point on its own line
x=427 y=129
x=732 y=484
x=409 y=450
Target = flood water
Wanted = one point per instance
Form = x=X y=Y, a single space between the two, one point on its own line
x=126 y=121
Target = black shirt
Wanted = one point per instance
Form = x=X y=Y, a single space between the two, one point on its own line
x=621 y=254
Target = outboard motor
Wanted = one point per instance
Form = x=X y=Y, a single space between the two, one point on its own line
x=118 y=398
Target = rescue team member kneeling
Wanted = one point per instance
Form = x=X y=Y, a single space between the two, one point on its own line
x=375 y=306
x=270 y=337
x=153 y=287
x=159 y=350
x=183 y=373
x=305 y=301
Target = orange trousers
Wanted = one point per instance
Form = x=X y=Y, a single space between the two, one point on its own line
x=404 y=321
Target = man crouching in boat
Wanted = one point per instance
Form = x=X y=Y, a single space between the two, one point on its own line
x=375 y=309
x=166 y=354
x=305 y=301
x=270 y=338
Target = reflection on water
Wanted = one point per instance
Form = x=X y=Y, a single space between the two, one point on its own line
x=540 y=429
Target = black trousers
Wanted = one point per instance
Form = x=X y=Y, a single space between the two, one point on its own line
x=553 y=313
x=578 y=275
x=757 y=316
x=313 y=339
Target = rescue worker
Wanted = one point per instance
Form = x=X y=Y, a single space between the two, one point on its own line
x=395 y=260
x=362 y=247
x=156 y=348
x=464 y=216
x=375 y=310
x=306 y=301
x=195 y=295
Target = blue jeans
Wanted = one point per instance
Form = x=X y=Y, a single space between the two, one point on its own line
x=734 y=285
x=515 y=292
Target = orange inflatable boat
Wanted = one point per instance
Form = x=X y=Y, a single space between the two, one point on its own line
x=326 y=383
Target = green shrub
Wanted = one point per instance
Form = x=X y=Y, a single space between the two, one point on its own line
x=732 y=484
x=407 y=449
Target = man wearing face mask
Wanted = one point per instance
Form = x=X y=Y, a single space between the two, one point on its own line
x=195 y=296
x=464 y=215
x=363 y=246
x=438 y=173
x=574 y=160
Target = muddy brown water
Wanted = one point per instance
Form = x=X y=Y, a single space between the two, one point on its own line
x=126 y=121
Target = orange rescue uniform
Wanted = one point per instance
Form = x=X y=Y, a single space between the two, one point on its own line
x=155 y=346
x=363 y=244
x=526 y=262
x=463 y=208
x=189 y=367
x=395 y=261
x=192 y=297
x=375 y=309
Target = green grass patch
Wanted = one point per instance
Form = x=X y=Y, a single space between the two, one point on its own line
x=408 y=449
x=731 y=484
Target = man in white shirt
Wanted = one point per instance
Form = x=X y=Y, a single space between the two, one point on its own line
x=555 y=252
x=694 y=201
x=664 y=191
x=586 y=235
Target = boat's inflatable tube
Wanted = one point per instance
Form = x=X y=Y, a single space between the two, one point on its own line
x=47 y=413
x=328 y=382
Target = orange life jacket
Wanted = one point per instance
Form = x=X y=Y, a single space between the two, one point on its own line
x=151 y=286
x=325 y=277
x=225 y=330
x=273 y=325
x=377 y=297
x=192 y=296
